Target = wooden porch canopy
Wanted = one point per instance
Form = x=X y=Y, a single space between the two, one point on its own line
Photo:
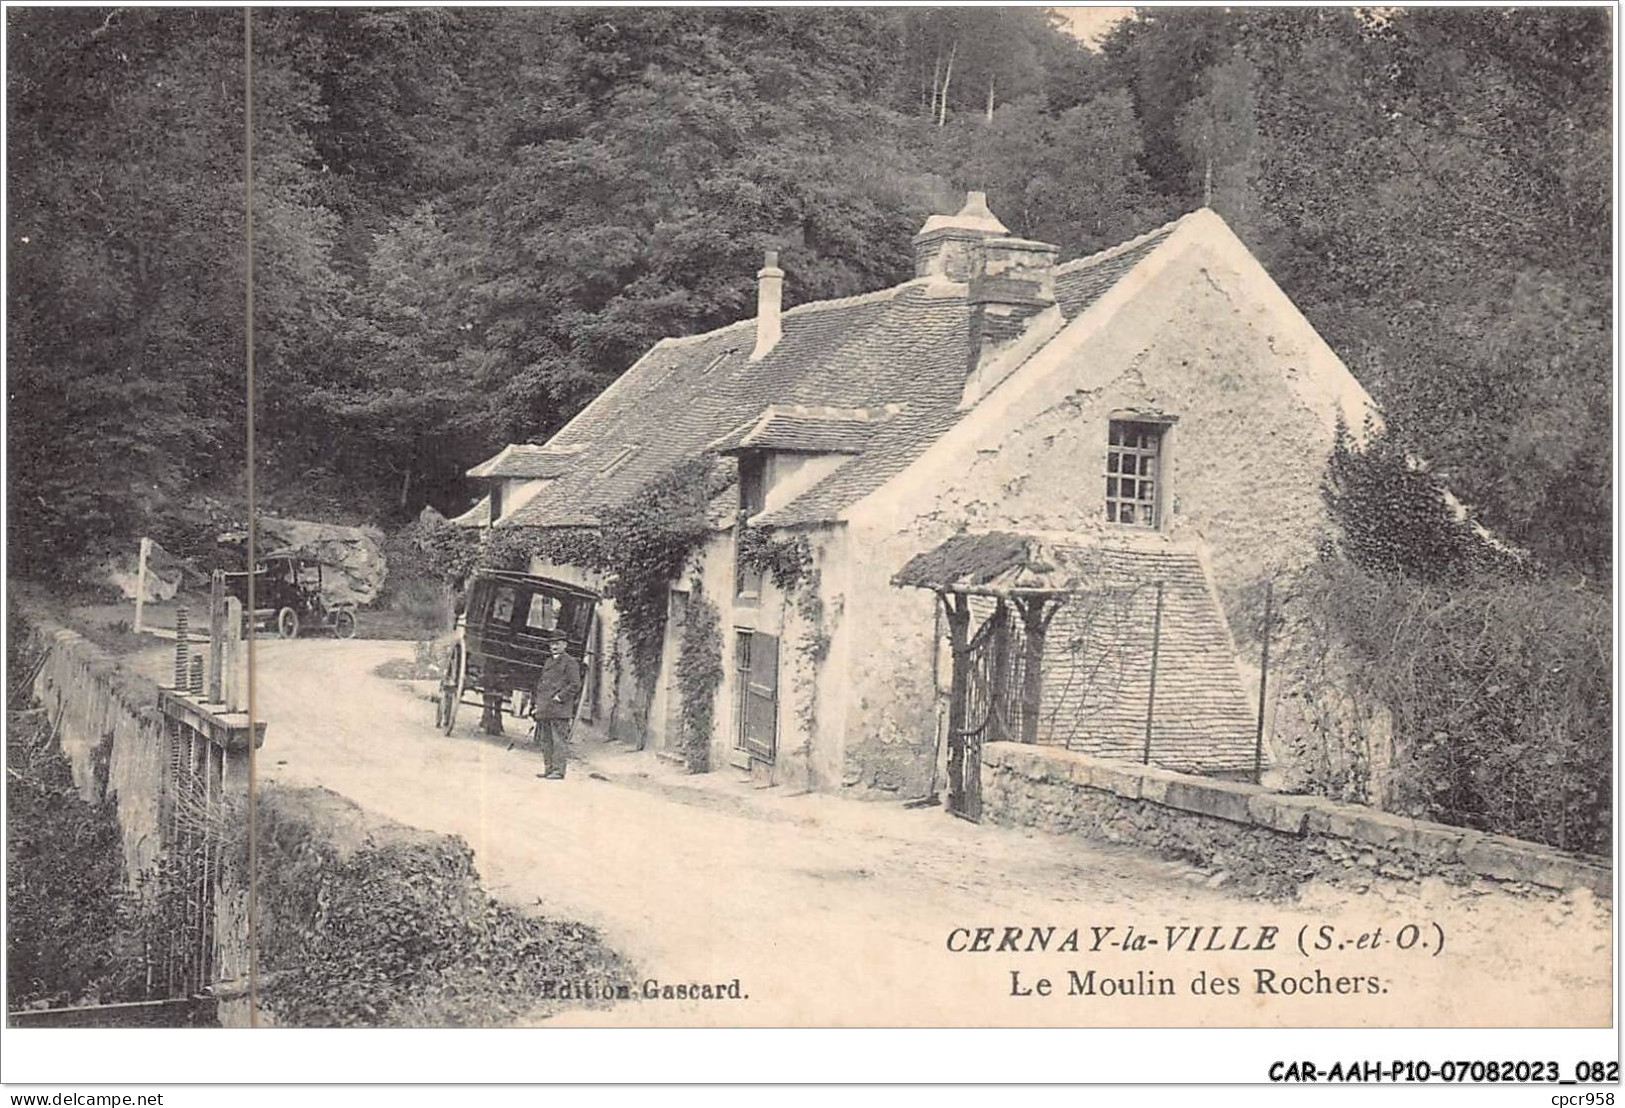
x=1142 y=606
x=998 y=563
x=1018 y=572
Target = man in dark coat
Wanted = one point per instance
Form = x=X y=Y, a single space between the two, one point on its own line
x=554 y=706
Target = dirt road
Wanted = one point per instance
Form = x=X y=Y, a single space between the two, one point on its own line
x=831 y=911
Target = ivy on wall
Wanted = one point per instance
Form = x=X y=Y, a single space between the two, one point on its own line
x=1395 y=517
x=699 y=675
x=787 y=560
x=641 y=546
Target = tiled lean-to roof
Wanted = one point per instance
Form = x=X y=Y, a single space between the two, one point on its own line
x=801 y=429
x=902 y=351
x=525 y=460
x=1097 y=652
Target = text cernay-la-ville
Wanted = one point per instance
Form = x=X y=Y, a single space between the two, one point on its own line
x=1192 y=938
x=1174 y=939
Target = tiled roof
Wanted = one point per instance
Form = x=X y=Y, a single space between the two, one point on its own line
x=1097 y=653
x=526 y=460
x=477 y=516
x=806 y=430
x=1080 y=283
x=905 y=346
x=1102 y=639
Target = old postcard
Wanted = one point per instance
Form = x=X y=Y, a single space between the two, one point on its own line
x=812 y=517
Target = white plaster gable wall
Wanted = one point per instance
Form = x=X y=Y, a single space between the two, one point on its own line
x=1197 y=331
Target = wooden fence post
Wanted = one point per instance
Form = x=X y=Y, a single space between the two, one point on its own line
x=234 y=655
x=141 y=582
x=1263 y=681
x=217 y=635
x=1151 y=695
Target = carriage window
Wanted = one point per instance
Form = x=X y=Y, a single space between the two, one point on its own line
x=543 y=614
x=502 y=606
x=576 y=620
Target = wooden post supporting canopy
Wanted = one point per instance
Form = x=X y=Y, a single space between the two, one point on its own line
x=217 y=636
x=1036 y=612
x=958 y=612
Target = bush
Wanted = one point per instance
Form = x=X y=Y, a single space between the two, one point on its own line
x=365 y=923
x=1498 y=695
x=1393 y=516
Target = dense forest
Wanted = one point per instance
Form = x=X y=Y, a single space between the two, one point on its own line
x=466 y=222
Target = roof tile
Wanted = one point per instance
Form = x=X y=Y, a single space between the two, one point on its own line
x=905 y=346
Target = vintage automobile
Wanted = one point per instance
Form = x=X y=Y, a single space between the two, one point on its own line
x=501 y=641
x=289 y=597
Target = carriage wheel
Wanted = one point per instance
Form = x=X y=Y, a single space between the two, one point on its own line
x=344 y=624
x=287 y=623
x=451 y=691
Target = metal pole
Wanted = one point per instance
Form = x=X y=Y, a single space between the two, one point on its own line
x=1151 y=696
x=1263 y=680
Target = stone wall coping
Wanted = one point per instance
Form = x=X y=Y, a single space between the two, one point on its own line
x=1497 y=857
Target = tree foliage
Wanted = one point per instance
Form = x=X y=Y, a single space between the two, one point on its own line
x=468 y=222
x=1485 y=704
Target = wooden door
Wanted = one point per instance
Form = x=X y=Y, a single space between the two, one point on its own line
x=758 y=668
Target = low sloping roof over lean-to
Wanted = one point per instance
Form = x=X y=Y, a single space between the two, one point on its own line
x=1097 y=653
x=803 y=429
x=903 y=348
x=477 y=516
x=526 y=460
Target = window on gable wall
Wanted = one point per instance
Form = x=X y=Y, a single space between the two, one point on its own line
x=1133 y=480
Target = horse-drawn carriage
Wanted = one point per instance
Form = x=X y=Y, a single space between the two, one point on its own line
x=502 y=641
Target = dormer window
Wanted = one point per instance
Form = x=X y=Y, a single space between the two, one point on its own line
x=1133 y=477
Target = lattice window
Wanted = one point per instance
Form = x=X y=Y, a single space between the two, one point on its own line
x=1133 y=452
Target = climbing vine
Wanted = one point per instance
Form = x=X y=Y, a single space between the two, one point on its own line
x=699 y=675
x=787 y=561
x=1393 y=516
x=512 y=548
x=812 y=646
x=640 y=546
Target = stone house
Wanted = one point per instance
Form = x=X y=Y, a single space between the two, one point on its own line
x=1160 y=408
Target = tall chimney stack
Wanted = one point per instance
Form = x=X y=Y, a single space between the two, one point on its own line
x=945 y=248
x=769 y=303
x=1011 y=295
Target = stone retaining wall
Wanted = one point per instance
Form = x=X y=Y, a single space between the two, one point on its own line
x=109 y=724
x=1266 y=841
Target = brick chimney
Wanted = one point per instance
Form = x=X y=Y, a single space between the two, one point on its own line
x=769 y=303
x=944 y=247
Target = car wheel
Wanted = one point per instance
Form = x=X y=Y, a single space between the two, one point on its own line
x=344 y=624
x=287 y=623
